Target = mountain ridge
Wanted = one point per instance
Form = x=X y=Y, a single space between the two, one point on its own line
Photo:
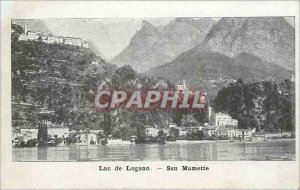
x=236 y=48
x=202 y=68
x=153 y=46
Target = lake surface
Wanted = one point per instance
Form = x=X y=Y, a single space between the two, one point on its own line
x=185 y=151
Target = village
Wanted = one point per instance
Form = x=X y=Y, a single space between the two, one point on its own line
x=51 y=39
x=220 y=127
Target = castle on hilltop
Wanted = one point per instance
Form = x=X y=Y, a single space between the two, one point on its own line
x=51 y=39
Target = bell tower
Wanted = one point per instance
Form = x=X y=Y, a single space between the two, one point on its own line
x=25 y=29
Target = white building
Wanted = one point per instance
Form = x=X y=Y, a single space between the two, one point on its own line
x=31 y=133
x=240 y=133
x=152 y=131
x=182 y=132
x=182 y=87
x=87 y=139
x=247 y=134
x=210 y=110
x=292 y=78
x=76 y=42
x=231 y=133
x=58 y=132
x=208 y=131
x=222 y=119
x=51 y=39
x=31 y=36
x=166 y=132
x=172 y=125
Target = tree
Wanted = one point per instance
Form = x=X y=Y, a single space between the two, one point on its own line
x=262 y=105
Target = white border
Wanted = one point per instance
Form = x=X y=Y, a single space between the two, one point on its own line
x=227 y=174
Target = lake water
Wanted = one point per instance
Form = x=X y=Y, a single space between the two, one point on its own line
x=188 y=151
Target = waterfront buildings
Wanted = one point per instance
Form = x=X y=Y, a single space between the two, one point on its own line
x=152 y=131
x=222 y=119
x=55 y=130
x=221 y=132
x=225 y=132
x=240 y=133
x=58 y=132
x=209 y=131
x=29 y=133
x=86 y=139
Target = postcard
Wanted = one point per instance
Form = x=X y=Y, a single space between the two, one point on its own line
x=150 y=95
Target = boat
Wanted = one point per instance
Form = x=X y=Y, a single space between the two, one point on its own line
x=51 y=143
x=231 y=140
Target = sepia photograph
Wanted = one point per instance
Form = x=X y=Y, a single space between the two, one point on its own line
x=153 y=89
x=149 y=94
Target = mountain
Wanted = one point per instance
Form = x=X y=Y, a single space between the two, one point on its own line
x=153 y=46
x=270 y=38
x=34 y=25
x=247 y=48
x=211 y=70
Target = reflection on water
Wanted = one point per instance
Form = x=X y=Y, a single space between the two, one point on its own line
x=270 y=150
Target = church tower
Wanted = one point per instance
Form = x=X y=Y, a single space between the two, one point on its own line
x=25 y=29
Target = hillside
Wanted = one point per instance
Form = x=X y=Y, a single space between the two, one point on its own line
x=153 y=46
x=268 y=106
x=211 y=70
x=64 y=79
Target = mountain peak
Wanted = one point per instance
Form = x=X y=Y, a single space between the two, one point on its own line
x=151 y=46
x=269 y=38
x=147 y=24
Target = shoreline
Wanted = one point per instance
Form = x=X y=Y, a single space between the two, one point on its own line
x=226 y=141
x=179 y=142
